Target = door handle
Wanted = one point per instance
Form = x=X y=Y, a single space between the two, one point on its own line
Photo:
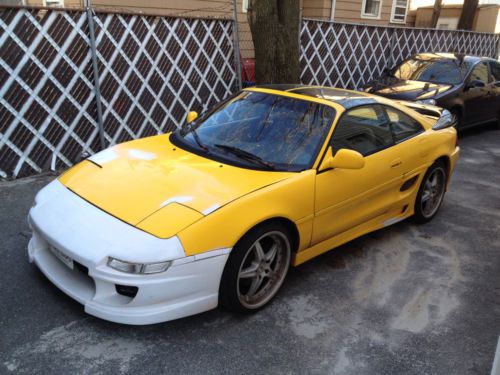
x=396 y=163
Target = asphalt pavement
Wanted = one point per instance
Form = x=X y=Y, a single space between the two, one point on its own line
x=407 y=299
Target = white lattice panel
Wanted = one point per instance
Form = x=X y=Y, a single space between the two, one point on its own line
x=349 y=55
x=152 y=70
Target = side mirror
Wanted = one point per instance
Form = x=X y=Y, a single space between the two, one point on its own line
x=475 y=84
x=191 y=116
x=343 y=159
x=446 y=120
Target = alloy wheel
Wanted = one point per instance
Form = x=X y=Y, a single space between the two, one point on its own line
x=263 y=269
x=433 y=192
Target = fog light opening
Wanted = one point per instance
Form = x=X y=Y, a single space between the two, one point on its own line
x=127 y=290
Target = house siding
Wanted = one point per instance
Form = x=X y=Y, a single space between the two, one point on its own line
x=317 y=9
x=350 y=11
x=485 y=19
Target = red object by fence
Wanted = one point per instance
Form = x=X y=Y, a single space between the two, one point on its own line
x=248 y=70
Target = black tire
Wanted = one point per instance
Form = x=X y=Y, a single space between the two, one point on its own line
x=424 y=211
x=458 y=115
x=244 y=256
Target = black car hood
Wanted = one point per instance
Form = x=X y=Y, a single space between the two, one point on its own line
x=394 y=88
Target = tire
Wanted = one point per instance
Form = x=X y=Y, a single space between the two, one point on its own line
x=431 y=193
x=254 y=271
x=458 y=115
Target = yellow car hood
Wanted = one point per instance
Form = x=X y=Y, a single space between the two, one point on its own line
x=152 y=184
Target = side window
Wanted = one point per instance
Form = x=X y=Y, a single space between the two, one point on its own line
x=363 y=129
x=495 y=70
x=403 y=126
x=480 y=72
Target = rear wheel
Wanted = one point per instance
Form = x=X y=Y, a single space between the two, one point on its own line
x=256 y=268
x=431 y=193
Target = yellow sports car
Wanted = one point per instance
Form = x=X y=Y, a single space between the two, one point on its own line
x=215 y=213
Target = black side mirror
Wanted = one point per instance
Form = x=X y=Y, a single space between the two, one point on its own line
x=475 y=84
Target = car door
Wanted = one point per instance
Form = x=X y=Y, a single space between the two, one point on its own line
x=495 y=86
x=346 y=198
x=477 y=100
x=413 y=147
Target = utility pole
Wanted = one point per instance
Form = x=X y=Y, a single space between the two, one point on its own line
x=97 y=88
x=236 y=43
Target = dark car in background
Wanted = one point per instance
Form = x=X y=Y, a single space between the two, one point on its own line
x=468 y=86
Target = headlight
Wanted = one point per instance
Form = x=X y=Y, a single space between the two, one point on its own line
x=138 y=268
x=427 y=101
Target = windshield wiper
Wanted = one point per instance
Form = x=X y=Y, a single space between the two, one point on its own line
x=197 y=138
x=245 y=155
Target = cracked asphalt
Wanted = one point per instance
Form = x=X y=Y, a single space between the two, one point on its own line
x=404 y=300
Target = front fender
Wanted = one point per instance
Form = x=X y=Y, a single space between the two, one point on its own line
x=292 y=199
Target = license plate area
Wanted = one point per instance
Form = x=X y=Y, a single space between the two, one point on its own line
x=68 y=262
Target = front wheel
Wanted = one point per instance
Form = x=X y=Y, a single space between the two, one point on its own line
x=431 y=193
x=256 y=268
x=457 y=114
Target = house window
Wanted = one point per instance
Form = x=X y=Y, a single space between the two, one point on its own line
x=53 y=3
x=244 y=6
x=398 y=12
x=371 y=9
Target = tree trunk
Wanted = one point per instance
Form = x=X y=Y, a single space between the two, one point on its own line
x=467 y=16
x=274 y=25
x=436 y=12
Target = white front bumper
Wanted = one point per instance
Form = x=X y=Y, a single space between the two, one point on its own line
x=88 y=235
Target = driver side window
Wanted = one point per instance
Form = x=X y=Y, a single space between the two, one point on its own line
x=480 y=73
x=363 y=129
x=403 y=126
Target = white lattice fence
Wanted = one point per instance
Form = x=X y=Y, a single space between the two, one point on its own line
x=349 y=55
x=152 y=70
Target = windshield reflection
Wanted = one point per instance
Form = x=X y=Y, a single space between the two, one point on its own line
x=272 y=131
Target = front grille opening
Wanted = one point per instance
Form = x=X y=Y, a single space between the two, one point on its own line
x=126 y=290
x=81 y=268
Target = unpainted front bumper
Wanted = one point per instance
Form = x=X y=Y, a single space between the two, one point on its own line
x=87 y=235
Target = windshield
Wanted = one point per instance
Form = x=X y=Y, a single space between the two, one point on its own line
x=443 y=71
x=262 y=131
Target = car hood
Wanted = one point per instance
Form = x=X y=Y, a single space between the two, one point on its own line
x=406 y=90
x=151 y=182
